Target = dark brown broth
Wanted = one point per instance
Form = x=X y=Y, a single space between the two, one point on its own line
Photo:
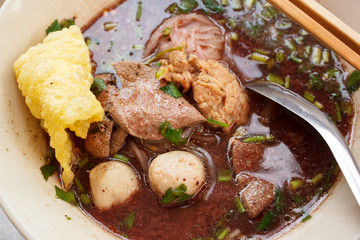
x=298 y=147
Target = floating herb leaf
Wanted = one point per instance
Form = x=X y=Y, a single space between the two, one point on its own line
x=170 y=133
x=56 y=26
x=48 y=170
x=172 y=90
x=354 y=81
x=98 y=86
x=221 y=124
x=178 y=195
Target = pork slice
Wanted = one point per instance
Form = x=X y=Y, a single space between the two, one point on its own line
x=139 y=107
x=246 y=156
x=201 y=36
x=219 y=94
x=97 y=142
x=257 y=195
x=117 y=140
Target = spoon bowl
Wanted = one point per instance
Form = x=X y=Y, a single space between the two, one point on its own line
x=321 y=122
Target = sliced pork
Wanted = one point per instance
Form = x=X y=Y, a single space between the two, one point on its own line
x=199 y=34
x=139 y=107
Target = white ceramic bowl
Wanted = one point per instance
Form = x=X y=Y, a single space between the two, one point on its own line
x=30 y=202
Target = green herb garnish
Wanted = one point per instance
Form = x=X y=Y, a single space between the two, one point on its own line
x=166 y=31
x=48 y=170
x=66 y=196
x=221 y=124
x=98 y=86
x=170 y=133
x=83 y=162
x=160 y=54
x=56 y=26
x=121 y=158
x=178 y=195
x=85 y=199
x=212 y=6
x=259 y=138
x=296 y=184
x=221 y=234
x=172 y=90
x=79 y=185
x=353 y=81
x=129 y=220
x=266 y=221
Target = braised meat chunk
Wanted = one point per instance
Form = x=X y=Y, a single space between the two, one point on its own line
x=256 y=196
x=246 y=156
x=219 y=95
x=139 y=107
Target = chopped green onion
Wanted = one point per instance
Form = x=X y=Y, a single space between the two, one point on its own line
x=108 y=26
x=139 y=11
x=235 y=5
x=299 y=40
x=83 y=162
x=307 y=51
x=49 y=155
x=280 y=56
x=160 y=54
x=138 y=46
x=266 y=221
x=221 y=124
x=263 y=52
x=125 y=235
x=121 y=157
x=249 y=4
x=48 y=170
x=287 y=82
x=221 y=234
x=85 y=199
x=303 y=32
x=283 y=24
x=316 y=55
x=225 y=176
x=309 y=96
x=129 y=220
x=325 y=56
x=158 y=64
x=308 y=217
x=338 y=112
x=279 y=200
x=186 y=6
x=178 y=195
x=259 y=57
x=98 y=86
x=316 y=81
x=78 y=185
x=166 y=31
x=221 y=21
x=319 y=105
x=317 y=178
x=232 y=23
x=259 y=138
x=170 y=133
x=275 y=79
x=289 y=43
x=346 y=107
x=172 y=90
x=66 y=196
x=234 y=36
x=224 y=2
x=239 y=205
x=295 y=58
x=159 y=73
x=88 y=41
x=353 y=81
x=271 y=63
x=296 y=184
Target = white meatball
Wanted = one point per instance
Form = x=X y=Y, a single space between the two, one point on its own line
x=112 y=183
x=171 y=169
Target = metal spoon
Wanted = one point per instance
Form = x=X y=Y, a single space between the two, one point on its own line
x=321 y=122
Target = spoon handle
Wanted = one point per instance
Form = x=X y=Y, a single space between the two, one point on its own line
x=321 y=122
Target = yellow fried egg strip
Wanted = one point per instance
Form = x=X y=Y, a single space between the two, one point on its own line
x=55 y=79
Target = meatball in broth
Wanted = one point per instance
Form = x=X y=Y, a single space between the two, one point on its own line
x=171 y=169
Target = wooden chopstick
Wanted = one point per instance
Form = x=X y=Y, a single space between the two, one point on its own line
x=325 y=26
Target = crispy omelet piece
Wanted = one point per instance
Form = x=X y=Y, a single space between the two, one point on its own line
x=55 y=79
